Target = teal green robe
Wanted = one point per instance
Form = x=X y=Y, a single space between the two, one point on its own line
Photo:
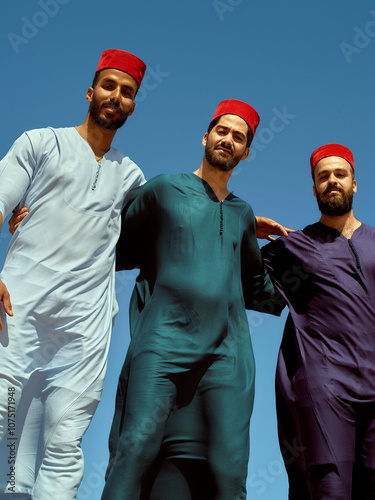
x=200 y=267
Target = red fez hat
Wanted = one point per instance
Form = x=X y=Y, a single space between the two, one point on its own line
x=331 y=150
x=241 y=109
x=124 y=61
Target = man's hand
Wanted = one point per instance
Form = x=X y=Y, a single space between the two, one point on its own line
x=5 y=299
x=266 y=227
x=16 y=219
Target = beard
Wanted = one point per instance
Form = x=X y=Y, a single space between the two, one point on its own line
x=339 y=204
x=104 y=122
x=219 y=161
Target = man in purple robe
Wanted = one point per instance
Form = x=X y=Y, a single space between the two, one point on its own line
x=326 y=369
x=325 y=381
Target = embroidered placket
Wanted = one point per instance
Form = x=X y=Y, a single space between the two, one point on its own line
x=93 y=187
x=355 y=254
x=221 y=218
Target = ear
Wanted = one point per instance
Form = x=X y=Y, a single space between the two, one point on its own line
x=314 y=189
x=204 y=140
x=89 y=94
x=246 y=154
x=354 y=186
x=131 y=109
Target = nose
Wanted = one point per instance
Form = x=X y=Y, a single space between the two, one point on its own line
x=115 y=94
x=227 y=140
x=332 y=179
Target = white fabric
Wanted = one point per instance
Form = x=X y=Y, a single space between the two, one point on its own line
x=59 y=271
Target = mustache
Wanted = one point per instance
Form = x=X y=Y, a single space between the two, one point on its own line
x=336 y=188
x=220 y=146
x=113 y=104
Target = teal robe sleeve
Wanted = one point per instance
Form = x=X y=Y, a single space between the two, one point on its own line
x=259 y=291
x=137 y=229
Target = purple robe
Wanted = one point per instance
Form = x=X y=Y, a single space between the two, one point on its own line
x=325 y=380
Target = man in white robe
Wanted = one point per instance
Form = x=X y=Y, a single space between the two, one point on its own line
x=57 y=284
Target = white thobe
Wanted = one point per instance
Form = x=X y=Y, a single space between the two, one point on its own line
x=59 y=271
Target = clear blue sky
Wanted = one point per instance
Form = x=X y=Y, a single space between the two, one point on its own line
x=308 y=67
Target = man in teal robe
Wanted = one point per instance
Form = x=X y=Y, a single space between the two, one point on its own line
x=200 y=267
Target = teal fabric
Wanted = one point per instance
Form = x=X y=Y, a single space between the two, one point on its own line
x=178 y=479
x=200 y=266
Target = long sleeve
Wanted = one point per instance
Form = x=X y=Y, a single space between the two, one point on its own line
x=259 y=292
x=16 y=171
x=136 y=229
x=288 y=274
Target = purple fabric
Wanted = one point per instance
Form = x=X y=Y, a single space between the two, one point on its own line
x=325 y=380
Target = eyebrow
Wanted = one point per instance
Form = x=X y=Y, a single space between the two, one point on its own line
x=336 y=169
x=111 y=80
x=238 y=132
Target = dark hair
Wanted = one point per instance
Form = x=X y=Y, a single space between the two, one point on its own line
x=95 y=80
x=250 y=135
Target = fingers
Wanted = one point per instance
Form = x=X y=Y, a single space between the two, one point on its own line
x=288 y=231
x=21 y=213
x=7 y=304
x=17 y=218
x=284 y=231
x=5 y=298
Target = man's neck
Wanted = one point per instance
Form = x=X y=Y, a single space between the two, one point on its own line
x=98 y=138
x=217 y=179
x=346 y=224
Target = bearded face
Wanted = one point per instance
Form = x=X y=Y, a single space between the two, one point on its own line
x=223 y=153
x=111 y=122
x=223 y=159
x=334 y=186
x=335 y=201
